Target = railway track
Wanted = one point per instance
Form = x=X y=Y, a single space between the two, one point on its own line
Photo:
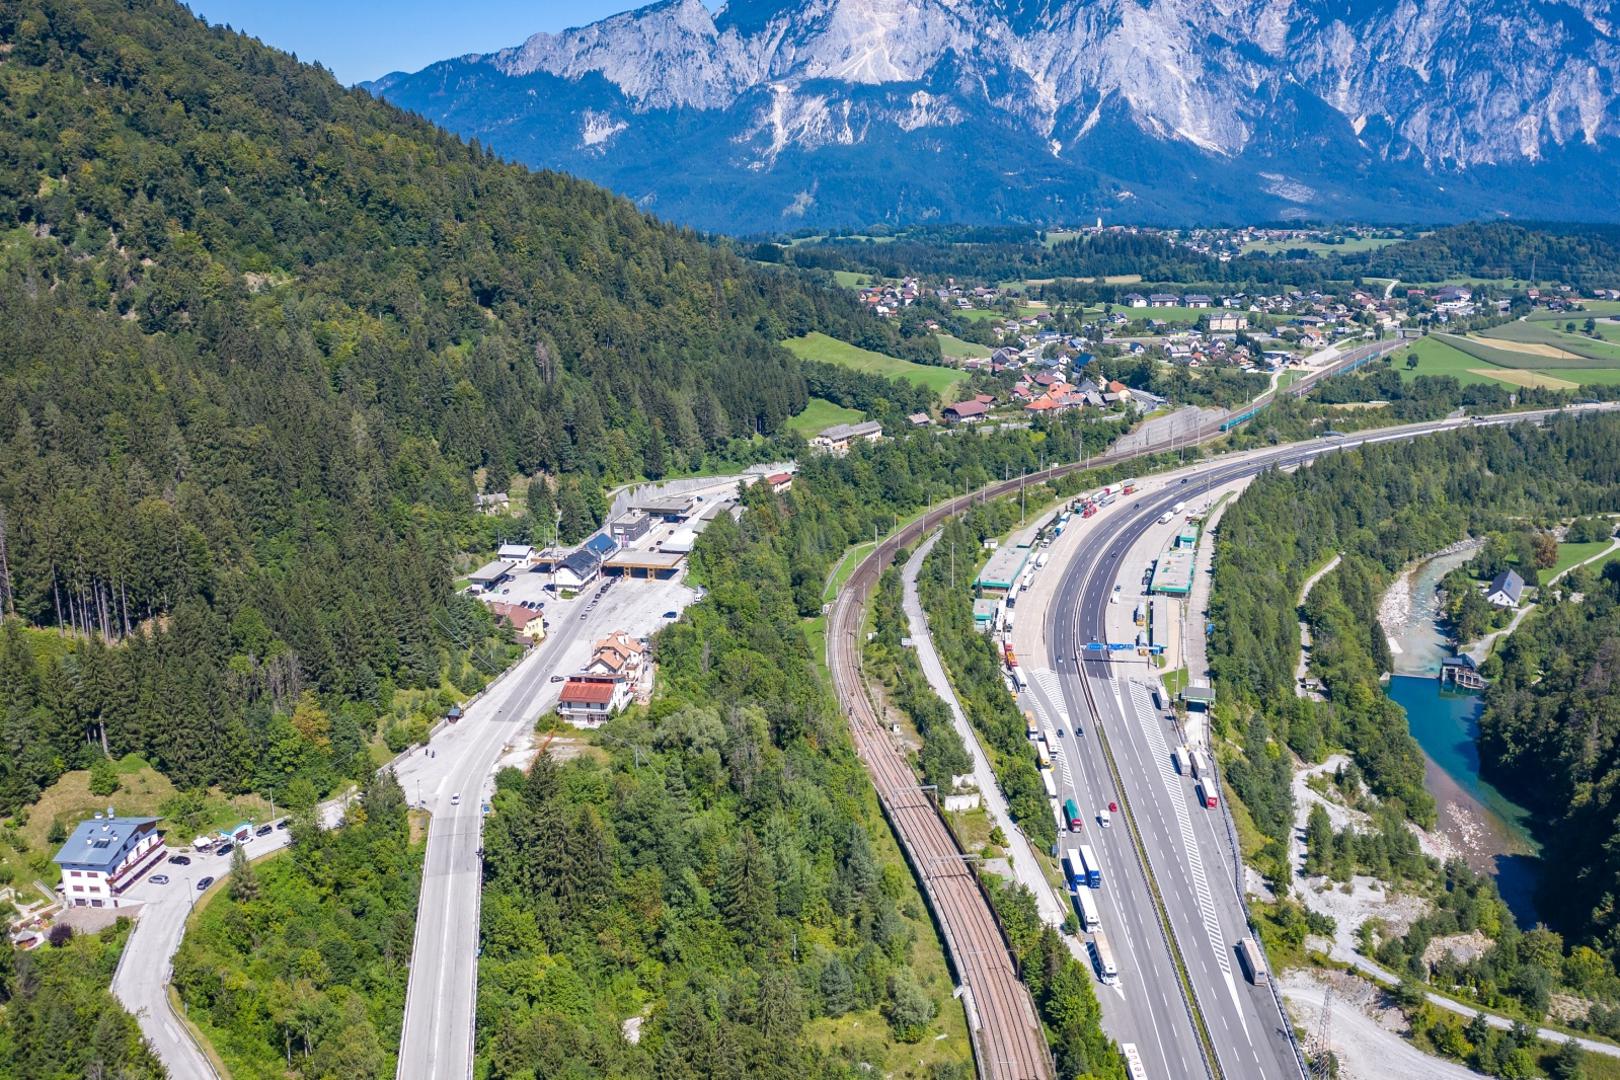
x=1008 y=1041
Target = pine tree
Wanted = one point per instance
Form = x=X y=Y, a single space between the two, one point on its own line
x=244 y=884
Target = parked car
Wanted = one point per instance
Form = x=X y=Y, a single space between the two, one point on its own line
x=180 y=860
x=204 y=883
x=159 y=879
x=224 y=849
x=264 y=830
x=671 y=615
x=557 y=678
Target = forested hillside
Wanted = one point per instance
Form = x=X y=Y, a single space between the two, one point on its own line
x=1380 y=507
x=258 y=333
x=720 y=869
x=1550 y=735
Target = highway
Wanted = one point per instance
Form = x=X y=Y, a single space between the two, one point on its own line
x=1116 y=748
x=452 y=777
x=1163 y=1028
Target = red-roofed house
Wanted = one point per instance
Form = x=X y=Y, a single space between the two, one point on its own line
x=780 y=481
x=966 y=412
x=588 y=702
x=528 y=622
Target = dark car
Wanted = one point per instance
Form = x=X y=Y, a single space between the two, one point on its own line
x=224 y=849
x=557 y=678
x=282 y=824
x=180 y=860
x=264 y=830
x=671 y=615
x=204 y=883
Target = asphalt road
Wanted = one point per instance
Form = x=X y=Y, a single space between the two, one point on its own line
x=452 y=777
x=1187 y=847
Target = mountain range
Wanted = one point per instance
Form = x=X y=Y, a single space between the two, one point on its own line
x=774 y=115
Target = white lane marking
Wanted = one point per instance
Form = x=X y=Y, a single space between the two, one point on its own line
x=1177 y=797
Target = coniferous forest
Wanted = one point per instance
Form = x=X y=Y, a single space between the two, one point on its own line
x=257 y=335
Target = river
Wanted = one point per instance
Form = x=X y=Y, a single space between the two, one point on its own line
x=1480 y=823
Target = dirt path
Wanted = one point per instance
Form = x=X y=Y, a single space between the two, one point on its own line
x=1365 y=1035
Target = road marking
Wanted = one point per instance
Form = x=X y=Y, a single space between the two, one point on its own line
x=1173 y=787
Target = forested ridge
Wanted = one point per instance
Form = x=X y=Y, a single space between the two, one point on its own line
x=1585 y=256
x=1380 y=507
x=258 y=334
x=1550 y=735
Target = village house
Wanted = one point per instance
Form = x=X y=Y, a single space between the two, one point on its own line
x=780 y=482
x=105 y=856
x=1505 y=589
x=527 y=623
x=838 y=438
x=966 y=412
x=496 y=502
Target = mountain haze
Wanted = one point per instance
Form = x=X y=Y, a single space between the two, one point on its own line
x=770 y=114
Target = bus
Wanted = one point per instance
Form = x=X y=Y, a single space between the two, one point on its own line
x=1086 y=905
x=1253 y=960
x=1088 y=859
x=1071 y=810
x=1050 y=782
x=1206 y=792
x=1076 y=875
x=1106 y=971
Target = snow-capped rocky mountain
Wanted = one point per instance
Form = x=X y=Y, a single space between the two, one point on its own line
x=770 y=114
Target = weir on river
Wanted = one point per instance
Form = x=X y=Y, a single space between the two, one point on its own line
x=1480 y=822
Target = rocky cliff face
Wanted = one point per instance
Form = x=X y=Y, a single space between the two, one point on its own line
x=772 y=115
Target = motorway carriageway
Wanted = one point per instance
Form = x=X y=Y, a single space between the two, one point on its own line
x=1188 y=848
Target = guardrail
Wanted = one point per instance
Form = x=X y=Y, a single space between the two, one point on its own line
x=1189 y=995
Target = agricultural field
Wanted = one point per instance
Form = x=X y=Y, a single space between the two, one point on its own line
x=957 y=349
x=1471 y=360
x=850 y=279
x=818 y=346
x=1175 y=314
x=1550 y=340
x=821 y=413
x=1316 y=247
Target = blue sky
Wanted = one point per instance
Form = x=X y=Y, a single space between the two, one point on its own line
x=362 y=39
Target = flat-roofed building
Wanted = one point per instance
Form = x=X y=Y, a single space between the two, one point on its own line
x=490 y=575
x=840 y=437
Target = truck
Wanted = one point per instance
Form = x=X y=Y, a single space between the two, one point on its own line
x=1020 y=684
x=1042 y=754
x=1253 y=961
x=1088 y=859
x=1106 y=969
x=1089 y=511
x=1040 y=560
x=1206 y=793
x=1007 y=652
x=1178 y=758
x=1071 y=810
x=1164 y=518
x=1086 y=905
x=1178 y=508
x=1127 y=487
x=1076 y=869
x=1200 y=765
x=1031 y=728
x=1049 y=782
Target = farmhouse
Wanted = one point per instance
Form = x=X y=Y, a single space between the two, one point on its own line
x=966 y=412
x=1505 y=589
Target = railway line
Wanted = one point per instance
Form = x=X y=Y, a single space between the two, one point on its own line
x=1007 y=1037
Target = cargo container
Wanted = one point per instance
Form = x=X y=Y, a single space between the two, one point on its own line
x=1178 y=758
x=1088 y=859
x=1049 y=782
x=1086 y=905
x=1031 y=727
x=1206 y=793
x=1075 y=869
x=1253 y=960
x=1042 y=754
x=1106 y=971
x=1200 y=764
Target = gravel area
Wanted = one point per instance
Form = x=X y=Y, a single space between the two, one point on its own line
x=1364 y=1033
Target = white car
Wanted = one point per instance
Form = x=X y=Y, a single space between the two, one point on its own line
x=455 y=800
x=1104 y=818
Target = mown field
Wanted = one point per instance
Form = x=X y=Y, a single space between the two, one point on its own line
x=957 y=349
x=1539 y=340
x=1471 y=360
x=821 y=413
x=818 y=346
x=1316 y=247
